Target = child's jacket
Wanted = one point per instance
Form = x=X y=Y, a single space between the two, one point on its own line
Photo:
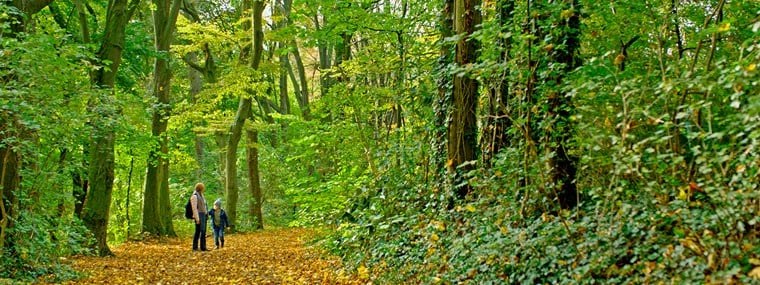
x=219 y=222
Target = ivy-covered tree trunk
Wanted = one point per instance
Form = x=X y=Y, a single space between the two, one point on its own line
x=558 y=137
x=462 y=126
x=101 y=168
x=10 y=180
x=441 y=103
x=157 y=214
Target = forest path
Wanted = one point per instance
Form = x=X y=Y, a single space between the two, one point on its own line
x=268 y=257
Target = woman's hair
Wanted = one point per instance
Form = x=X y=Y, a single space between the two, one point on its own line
x=200 y=186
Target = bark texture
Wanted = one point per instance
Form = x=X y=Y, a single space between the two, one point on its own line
x=462 y=126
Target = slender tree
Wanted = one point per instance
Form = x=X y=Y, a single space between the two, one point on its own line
x=157 y=217
x=254 y=185
x=243 y=111
x=101 y=168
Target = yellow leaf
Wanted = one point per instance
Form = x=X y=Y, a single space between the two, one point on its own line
x=754 y=261
x=755 y=273
x=682 y=194
x=724 y=27
x=363 y=272
x=751 y=67
x=470 y=208
x=440 y=226
x=434 y=237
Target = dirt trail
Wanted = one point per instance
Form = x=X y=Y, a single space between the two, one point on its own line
x=269 y=257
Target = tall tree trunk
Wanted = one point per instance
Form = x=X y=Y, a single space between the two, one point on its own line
x=441 y=104
x=157 y=205
x=129 y=190
x=558 y=141
x=462 y=127
x=283 y=11
x=254 y=185
x=196 y=83
x=101 y=168
x=244 y=108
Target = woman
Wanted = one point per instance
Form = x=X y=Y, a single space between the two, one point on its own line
x=200 y=214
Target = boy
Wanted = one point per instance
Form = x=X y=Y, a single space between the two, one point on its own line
x=219 y=222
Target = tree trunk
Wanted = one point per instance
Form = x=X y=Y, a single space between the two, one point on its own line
x=254 y=184
x=196 y=83
x=562 y=163
x=462 y=127
x=325 y=79
x=244 y=108
x=157 y=205
x=304 y=100
x=441 y=104
x=284 y=99
x=283 y=11
x=81 y=184
x=221 y=143
x=10 y=180
x=97 y=205
x=129 y=190
x=101 y=168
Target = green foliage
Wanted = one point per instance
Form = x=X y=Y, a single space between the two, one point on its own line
x=668 y=174
x=44 y=90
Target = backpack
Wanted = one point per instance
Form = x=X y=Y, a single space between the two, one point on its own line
x=189 y=209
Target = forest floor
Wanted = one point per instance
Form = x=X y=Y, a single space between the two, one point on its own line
x=268 y=257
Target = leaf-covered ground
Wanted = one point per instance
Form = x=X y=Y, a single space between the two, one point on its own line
x=268 y=257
